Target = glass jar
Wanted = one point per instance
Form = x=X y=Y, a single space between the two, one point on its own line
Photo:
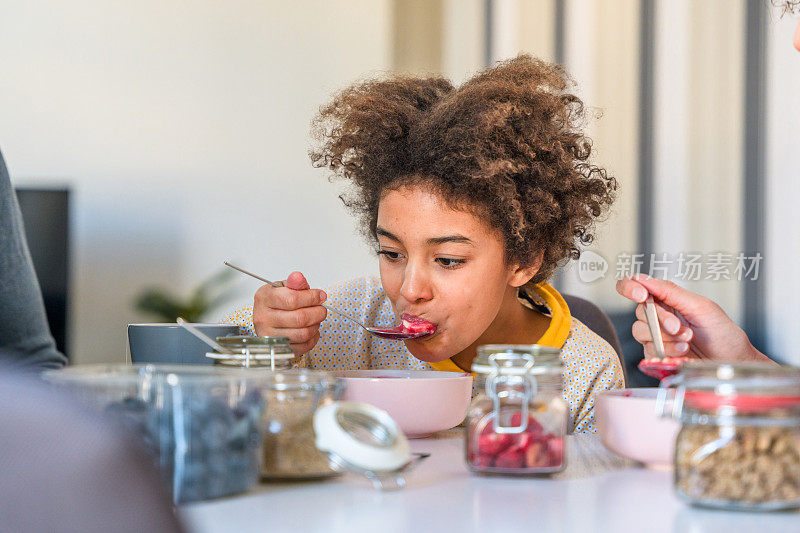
x=739 y=444
x=290 y=451
x=202 y=425
x=274 y=353
x=517 y=422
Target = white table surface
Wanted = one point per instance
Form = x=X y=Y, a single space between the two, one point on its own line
x=597 y=492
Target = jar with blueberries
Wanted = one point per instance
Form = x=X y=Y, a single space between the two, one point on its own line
x=202 y=425
x=517 y=423
x=739 y=443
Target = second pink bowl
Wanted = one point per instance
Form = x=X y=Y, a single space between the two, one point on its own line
x=628 y=425
x=421 y=401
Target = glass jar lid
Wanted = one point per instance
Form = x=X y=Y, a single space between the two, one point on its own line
x=253 y=344
x=302 y=379
x=243 y=348
x=742 y=388
x=516 y=359
x=361 y=437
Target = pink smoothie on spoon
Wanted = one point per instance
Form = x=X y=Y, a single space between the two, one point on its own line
x=412 y=327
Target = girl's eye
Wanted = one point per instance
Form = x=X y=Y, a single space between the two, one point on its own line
x=449 y=262
x=392 y=256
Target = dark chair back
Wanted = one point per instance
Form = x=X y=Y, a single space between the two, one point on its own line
x=596 y=320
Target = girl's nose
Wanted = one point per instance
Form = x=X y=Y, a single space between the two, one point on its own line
x=416 y=285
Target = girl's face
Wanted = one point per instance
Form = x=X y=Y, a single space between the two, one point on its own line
x=445 y=266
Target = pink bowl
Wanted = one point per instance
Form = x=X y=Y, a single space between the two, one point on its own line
x=628 y=425
x=421 y=401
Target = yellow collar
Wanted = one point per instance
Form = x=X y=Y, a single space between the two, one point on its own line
x=556 y=333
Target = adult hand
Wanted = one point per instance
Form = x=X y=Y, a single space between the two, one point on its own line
x=293 y=310
x=691 y=325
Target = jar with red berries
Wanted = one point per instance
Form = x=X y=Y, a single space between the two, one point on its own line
x=517 y=423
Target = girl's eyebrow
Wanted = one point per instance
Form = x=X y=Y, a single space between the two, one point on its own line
x=383 y=233
x=432 y=241
x=449 y=238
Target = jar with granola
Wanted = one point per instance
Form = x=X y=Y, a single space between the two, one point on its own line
x=739 y=445
x=292 y=398
x=517 y=423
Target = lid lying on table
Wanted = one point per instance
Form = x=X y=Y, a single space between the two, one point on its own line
x=361 y=437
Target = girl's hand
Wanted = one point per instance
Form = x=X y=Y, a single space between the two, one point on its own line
x=292 y=311
x=691 y=325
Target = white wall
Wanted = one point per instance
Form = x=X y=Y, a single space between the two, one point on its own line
x=698 y=132
x=182 y=127
x=463 y=39
x=601 y=53
x=782 y=254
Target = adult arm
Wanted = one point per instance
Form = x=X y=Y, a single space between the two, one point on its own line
x=691 y=325
x=25 y=339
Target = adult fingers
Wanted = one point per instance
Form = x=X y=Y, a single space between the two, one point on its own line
x=671 y=349
x=641 y=332
x=669 y=322
x=670 y=294
x=632 y=290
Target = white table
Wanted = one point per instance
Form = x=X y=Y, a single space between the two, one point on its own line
x=597 y=492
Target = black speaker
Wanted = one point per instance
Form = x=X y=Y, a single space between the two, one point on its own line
x=45 y=213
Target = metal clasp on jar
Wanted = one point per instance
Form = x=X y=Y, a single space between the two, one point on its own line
x=667 y=384
x=511 y=382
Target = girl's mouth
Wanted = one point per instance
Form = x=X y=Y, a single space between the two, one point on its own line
x=415 y=324
x=411 y=328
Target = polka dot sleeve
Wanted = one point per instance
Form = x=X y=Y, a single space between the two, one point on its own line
x=590 y=366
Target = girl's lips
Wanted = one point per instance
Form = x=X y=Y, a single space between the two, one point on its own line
x=411 y=328
x=416 y=324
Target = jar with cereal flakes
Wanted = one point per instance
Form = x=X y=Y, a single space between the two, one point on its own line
x=739 y=444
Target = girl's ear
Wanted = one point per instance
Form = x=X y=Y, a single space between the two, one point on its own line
x=522 y=275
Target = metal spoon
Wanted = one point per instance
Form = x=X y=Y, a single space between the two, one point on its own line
x=386 y=333
x=655 y=327
x=661 y=366
x=202 y=336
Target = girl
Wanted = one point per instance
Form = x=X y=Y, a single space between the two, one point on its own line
x=473 y=196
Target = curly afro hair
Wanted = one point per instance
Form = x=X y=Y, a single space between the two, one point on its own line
x=788 y=6
x=506 y=145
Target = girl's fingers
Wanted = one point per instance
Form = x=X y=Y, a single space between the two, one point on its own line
x=305 y=347
x=295 y=335
x=668 y=321
x=641 y=332
x=296 y=281
x=671 y=349
x=297 y=319
x=284 y=298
